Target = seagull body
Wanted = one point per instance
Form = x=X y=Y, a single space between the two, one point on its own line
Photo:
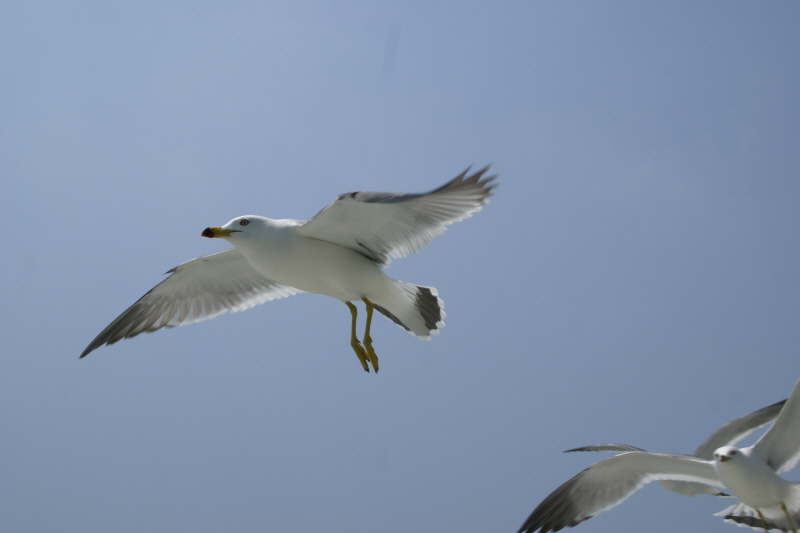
x=293 y=260
x=753 y=481
x=765 y=500
x=339 y=252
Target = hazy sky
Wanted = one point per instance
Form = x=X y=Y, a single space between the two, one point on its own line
x=634 y=279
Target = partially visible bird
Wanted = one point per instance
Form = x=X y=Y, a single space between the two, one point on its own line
x=727 y=435
x=765 y=500
x=339 y=252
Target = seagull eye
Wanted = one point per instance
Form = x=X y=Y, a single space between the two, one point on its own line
x=244 y=222
x=733 y=452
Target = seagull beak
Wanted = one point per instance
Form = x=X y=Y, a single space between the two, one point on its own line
x=216 y=231
x=723 y=458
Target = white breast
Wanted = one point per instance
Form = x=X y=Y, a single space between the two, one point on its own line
x=315 y=266
x=752 y=481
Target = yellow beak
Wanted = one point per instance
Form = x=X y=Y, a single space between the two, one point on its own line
x=216 y=231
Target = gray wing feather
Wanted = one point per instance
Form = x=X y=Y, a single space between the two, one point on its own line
x=385 y=225
x=727 y=435
x=607 y=447
x=736 y=430
x=195 y=290
x=779 y=446
x=686 y=488
x=608 y=483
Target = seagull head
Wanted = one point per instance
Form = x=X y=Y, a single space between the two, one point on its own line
x=237 y=225
x=727 y=453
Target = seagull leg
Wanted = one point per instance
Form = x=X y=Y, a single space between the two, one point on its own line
x=763 y=522
x=360 y=353
x=371 y=355
x=788 y=518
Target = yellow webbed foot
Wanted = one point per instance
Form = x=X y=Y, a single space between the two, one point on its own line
x=371 y=355
x=362 y=355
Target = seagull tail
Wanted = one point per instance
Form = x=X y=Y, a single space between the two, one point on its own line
x=415 y=308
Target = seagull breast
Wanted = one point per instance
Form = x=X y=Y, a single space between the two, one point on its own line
x=749 y=478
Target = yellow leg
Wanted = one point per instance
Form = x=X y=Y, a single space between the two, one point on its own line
x=763 y=522
x=371 y=355
x=360 y=353
x=788 y=518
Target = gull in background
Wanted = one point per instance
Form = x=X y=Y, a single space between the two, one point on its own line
x=765 y=500
x=727 y=435
x=339 y=252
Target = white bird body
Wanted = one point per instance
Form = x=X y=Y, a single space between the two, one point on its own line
x=293 y=260
x=750 y=479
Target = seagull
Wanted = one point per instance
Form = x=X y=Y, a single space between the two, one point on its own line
x=727 y=435
x=765 y=500
x=339 y=252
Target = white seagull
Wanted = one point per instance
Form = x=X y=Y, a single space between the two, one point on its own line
x=765 y=500
x=727 y=435
x=339 y=252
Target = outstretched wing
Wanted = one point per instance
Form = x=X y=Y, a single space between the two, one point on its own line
x=736 y=430
x=687 y=488
x=779 y=447
x=195 y=290
x=382 y=225
x=608 y=483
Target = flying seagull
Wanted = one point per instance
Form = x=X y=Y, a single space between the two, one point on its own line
x=339 y=252
x=765 y=500
x=727 y=435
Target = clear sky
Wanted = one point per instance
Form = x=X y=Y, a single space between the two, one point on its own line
x=634 y=279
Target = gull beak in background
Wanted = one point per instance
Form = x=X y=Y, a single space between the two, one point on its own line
x=216 y=231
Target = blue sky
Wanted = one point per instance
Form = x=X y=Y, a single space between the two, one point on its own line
x=634 y=278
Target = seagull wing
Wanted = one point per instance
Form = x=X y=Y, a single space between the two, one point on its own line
x=687 y=488
x=736 y=430
x=779 y=447
x=382 y=225
x=606 y=447
x=608 y=483
x=195 y=290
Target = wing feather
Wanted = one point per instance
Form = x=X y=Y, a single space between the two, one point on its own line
x=606 y=447
x=736 y=430
x=392 y=225
x=779 y=447
x=195 y=290
x=608 y=483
